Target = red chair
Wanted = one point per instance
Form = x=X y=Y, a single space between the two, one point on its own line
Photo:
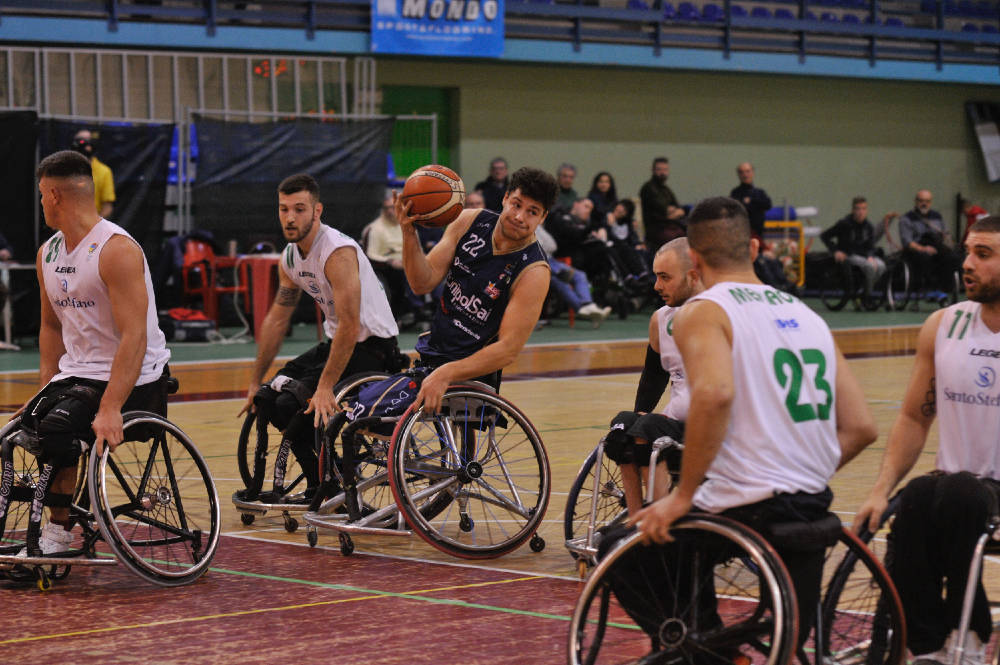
x=201 y=275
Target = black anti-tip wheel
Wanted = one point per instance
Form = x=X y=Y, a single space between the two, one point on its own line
x=537 y=543
x=346 y=544
x=466 y=523
x=247 y=519
x=291 y=524
x=312 y=536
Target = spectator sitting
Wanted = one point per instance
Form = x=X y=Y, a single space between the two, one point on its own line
x=852 y=239
x=604 y=196
x=927 y=245
x=662 y=216
x=625 y=243
x=565 y=175
x=578 y=239
x=104 y=181
x=495 y=185
x=571 y=284
x=384 y=248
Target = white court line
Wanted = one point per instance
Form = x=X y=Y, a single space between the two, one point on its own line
x=242 y=535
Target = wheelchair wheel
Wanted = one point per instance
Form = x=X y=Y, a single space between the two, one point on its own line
x=708 y=597
x=155 y=502
x=839 y=285
x=610 y=497
x=900 y=284
x=861 y=618
x=472 y=480
x=256 y=435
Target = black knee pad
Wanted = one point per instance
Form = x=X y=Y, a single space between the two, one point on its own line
x=618 y=445
x=59 y=429
x=282 y=404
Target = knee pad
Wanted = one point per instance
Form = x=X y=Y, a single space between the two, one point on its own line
x=618 y=445
x=286 y=397
x=61 y=427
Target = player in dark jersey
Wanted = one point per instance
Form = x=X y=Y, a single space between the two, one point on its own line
x=495 y=281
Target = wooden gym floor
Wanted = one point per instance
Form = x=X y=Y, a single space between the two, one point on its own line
x=270 y=597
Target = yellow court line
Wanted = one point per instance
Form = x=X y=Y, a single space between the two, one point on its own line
x=207 y=617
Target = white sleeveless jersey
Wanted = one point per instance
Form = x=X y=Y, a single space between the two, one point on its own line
x=782 y=434
x=966 y=369
x=309 y=275
x=72 y=282
x=670 y=358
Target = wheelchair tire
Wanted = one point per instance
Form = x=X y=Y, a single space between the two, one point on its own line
x=742 y=624
x=478 y=458
x=579 y=503
x=838 y=285
x=246 y=448
x=900 y=284
x=861 y=614
x=155 y=502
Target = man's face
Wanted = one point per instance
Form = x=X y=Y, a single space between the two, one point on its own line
x=745 y=173
x=474 y=200
x=924 y=201
x=981 y=268
x=859 y=212
x=498 y=171
x=520 y=216
x=298 y=214
x=582 y=208
x=389 y=210
x=566 y=177
x=83 y=143
x=673 y=283
x=661 y=171
x=46 y=187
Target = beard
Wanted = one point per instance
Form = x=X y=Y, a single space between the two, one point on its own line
x=662 y=179
x=984 y=292
x=297 y=234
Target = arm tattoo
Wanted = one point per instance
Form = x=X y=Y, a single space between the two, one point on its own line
x=929 y=407
x=287 y=297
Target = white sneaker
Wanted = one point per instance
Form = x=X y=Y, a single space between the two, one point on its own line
x=588 y=310
x=53 y=540
x=975 y=650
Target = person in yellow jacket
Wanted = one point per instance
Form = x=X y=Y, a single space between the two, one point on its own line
x=104 y=181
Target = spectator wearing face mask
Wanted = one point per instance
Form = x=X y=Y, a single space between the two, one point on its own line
x=104 y=181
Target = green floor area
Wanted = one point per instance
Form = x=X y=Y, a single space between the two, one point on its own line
x=557 y=331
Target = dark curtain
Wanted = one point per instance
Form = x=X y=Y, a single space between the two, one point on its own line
x=138 y=156
x=18 y=194
x=240 y=165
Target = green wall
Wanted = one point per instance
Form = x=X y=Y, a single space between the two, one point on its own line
x=813 y=141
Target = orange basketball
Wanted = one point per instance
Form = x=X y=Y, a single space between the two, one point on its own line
x=437 y=194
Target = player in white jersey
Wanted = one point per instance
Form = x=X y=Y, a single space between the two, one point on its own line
x=101 y=351
x=360 y=327
x=941 y=515
x=628 y=442
x=774 y=408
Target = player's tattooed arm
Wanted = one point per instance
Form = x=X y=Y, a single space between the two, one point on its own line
x=929 y=406
x=287 y=297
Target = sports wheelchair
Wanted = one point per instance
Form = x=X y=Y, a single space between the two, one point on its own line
x=842 y=283
x=472 y=480
x=738 y=604
x=152 y=502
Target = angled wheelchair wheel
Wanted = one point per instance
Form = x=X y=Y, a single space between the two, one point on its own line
x=839 y=285
x=718 y=595
x=607 y=504
x=900 y=284
x=472 y=480
x=258 y=450
x=155 y=502
x=861 y=617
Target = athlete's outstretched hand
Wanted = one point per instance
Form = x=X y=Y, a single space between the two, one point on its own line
x=870 y=513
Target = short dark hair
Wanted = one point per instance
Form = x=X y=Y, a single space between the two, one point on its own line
x=858 y=199
x=989 y=224
x=300 y=182
x=64 y=164
x=660 y=160
x=535 y=184
x=629 y=206
x=719 y=230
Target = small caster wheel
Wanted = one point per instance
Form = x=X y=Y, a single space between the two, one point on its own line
x=346 y=544
x=247 y=519
x=581 y=567
x=312 y=536
x=291 y=524
x=42 y=579
x=466 y=523
x=537 y=544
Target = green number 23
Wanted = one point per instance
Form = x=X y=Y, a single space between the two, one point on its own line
x=788 y=370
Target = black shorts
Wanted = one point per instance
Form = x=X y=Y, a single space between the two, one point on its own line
x=150 y=396
x=375 y=354
x=631 y=438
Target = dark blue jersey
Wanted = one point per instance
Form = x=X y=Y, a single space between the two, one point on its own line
x=476 y=292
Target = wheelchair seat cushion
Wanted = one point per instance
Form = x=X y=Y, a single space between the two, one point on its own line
x=389 y=397
x=804 y=536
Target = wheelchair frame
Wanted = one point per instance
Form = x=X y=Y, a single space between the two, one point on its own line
x=433 y=463
x=136 y=506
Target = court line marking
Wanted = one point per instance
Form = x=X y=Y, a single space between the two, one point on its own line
x=454 y=564
x=371 y=595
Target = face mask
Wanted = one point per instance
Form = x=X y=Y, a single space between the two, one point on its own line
x=83 y=146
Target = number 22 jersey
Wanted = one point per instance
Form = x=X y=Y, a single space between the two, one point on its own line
x=782 y=432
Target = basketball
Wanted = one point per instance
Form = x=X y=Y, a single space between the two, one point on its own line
x=437 y=194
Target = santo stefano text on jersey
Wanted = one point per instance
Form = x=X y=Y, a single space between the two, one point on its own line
x=985 y=378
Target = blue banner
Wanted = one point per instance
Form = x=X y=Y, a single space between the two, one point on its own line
x=438 y=27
